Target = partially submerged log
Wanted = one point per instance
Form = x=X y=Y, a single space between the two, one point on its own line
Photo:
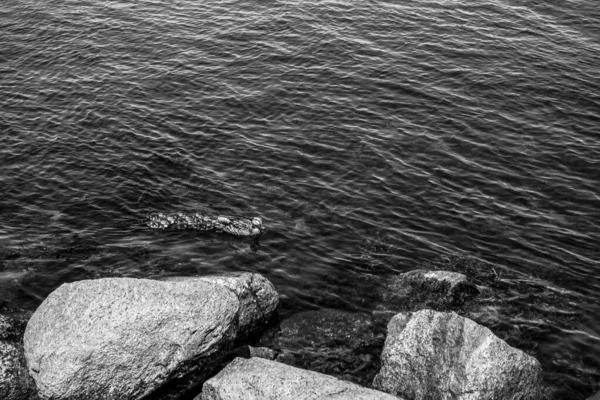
x=238 y=226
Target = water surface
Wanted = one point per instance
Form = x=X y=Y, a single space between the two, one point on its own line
x=372 y=136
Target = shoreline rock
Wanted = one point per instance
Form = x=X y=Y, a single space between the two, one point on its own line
x=257 y=378
x=123 y=338
x=435 y=355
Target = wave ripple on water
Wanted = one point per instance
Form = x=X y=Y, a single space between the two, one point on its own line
x=421 y=128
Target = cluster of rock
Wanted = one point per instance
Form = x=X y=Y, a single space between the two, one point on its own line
x=122 y=338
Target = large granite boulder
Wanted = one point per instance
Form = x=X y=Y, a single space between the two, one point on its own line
x=15 y=382
x=257 y=378
x=122 y=338
x=434 y=355
x=257 y=296
x=418 y=289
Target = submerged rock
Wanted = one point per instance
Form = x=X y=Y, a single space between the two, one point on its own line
x=238 y=226
x=257 y=378
x=434 y=355
x=122 y=338
x=327 y=326
x=418 y=289
x=333 y=342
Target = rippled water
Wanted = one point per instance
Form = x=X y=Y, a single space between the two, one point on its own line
x=394 y=131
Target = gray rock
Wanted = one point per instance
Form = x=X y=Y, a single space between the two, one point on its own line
x=420 y=289
x=257 y=296
x=122 y=338
x=15 y=382
x=434 y=355
x=257 y=378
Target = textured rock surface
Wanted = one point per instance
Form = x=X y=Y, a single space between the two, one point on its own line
x=121 y=338
x=15 y=382
x=420 y=289
x=257 y=378
x=434 y=355
x=257 y=296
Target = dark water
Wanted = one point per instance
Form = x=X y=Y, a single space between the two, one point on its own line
x=372 y=136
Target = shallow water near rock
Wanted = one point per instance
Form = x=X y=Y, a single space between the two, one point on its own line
x=373 y=137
